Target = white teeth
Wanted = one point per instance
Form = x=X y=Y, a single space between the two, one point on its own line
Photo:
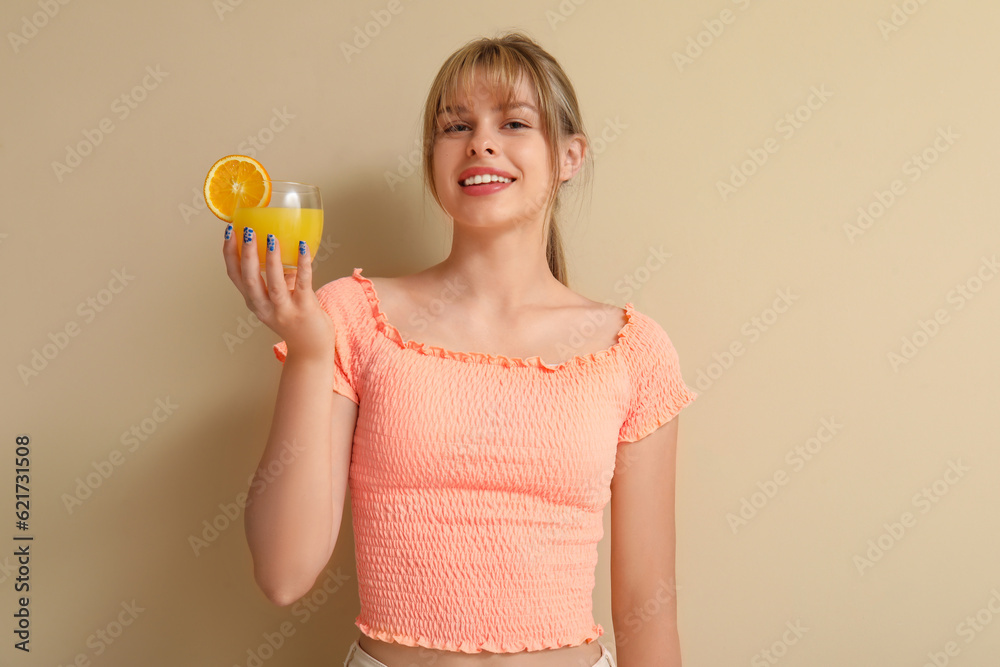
x=486 y=178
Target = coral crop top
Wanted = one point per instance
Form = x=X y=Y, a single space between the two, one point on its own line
x=478 y=482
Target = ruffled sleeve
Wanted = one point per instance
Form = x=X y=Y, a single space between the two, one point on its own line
x=658 y=390
x=340 y=300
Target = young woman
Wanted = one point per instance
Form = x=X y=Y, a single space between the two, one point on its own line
x=481 y=412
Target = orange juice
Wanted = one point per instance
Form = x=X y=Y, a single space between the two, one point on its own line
x=289 y=225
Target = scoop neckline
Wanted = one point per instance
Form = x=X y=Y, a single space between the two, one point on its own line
x=385 y=326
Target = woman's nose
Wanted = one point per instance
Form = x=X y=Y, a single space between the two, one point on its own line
x=482 y=142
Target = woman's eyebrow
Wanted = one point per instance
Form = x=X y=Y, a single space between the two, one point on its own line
x=503 y=107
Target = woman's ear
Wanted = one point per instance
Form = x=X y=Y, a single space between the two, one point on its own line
x=571 y=155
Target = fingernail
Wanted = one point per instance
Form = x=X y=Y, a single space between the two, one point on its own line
x=247 y=234
x=270 y=241
x=302 y=247
x=229 y=231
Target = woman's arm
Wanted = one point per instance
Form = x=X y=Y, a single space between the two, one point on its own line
x=296 y=500
x=643 y=596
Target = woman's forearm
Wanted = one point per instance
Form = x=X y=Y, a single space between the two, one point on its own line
x=291 y=521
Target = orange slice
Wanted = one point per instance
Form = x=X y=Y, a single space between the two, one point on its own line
x=236 y=178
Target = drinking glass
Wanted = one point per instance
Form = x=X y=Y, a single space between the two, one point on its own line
x=294 y=213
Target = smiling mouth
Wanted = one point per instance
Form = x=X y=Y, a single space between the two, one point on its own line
x=485 y=178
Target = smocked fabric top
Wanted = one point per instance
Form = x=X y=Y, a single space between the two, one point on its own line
x=478 y=481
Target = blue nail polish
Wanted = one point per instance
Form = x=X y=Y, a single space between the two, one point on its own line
x=270 y=241
x=229 y=231
x=247 y=234
x=302 y=247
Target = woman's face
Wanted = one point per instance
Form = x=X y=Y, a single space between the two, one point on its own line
x=477 y=137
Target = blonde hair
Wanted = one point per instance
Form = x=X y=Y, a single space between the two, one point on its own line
x=503 y=60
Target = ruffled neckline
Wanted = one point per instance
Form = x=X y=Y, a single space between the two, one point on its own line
x=387 y=329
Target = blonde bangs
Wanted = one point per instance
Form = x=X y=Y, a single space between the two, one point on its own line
x=500 y=68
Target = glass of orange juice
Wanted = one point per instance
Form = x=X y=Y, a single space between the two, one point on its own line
x=294 y=213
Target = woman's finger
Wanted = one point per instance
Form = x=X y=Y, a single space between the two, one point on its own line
x=277 y=289
x=233 y=269
x=256 y=290
x=303 y=278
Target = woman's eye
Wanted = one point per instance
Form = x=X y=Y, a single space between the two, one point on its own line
x=451 y=129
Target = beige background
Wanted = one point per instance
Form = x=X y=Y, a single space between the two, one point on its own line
x=673 y=132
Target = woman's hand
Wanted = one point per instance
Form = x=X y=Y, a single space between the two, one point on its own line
x=286 y=303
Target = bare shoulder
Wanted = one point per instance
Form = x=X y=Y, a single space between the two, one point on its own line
x=415 y=289
x=608 y=309
x=598 y=311
x=591 y=325
x=404 y=300
x=395 y=293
